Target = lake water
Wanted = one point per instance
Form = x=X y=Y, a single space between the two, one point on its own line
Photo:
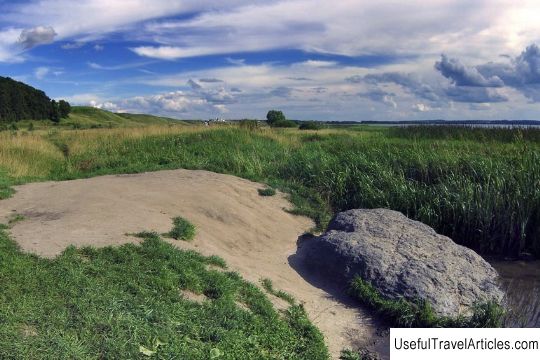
x=521 y=281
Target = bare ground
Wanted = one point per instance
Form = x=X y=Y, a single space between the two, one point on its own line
x=254 y=234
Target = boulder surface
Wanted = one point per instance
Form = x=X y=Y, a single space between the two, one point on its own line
x=404 y=258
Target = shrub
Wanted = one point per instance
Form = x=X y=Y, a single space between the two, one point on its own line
x=284 y=124
x=310 y=125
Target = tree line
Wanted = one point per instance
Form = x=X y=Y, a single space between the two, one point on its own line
x=19 y=101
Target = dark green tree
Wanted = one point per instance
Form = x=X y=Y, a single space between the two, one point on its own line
x=19 y=101
x=64 y=109
x=54 y=112
x=275 y=116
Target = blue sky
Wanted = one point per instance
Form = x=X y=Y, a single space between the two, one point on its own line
x=314 y=59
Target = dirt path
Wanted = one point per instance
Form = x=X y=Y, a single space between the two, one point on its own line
x=252 y=233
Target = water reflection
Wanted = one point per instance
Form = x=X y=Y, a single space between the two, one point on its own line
x=521 y=281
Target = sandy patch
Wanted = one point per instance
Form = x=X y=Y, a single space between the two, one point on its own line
x=252 y=233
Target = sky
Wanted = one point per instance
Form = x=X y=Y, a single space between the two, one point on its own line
x=313 y=59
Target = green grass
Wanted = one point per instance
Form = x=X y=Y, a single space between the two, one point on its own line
x=119 y=303
x=484 y=192
x=182 y=229
x=267 y=192
x=404 y=313
x=87 y=117
x=15 y=219
x=268 y=285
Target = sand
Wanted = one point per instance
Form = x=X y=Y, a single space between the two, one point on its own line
x=254 y=234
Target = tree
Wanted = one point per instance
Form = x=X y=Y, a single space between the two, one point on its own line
x=54 y=113
x=19 y=101
x=64 y=109
x=275 y=116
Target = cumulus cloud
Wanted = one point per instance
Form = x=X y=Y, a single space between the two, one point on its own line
x=473 y=94
x=381 y=96
x=212 y=95
x=38 y=35
x=107 y=105
x=521 y=73
x=408 y=82
x=175 y=103
x=460 y=75
x=420 y=107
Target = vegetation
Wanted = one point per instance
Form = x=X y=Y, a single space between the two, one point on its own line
x=484 y=193
x=267 y=192
x=182 y=229
x=127 y=303
x=85 y=117
x=284 y=124
x=248 y=124
x=403 y=313
x=19 y=101
x=479 y=186
x=275 y=116
x=268 y=285
x=310 y=125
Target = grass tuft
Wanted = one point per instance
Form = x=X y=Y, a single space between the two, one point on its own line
x=182 y=229
x=267 y=192
x=268 y=285
x=15 y=219
x=404 y=313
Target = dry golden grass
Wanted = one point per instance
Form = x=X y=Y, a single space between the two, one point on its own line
x=83 y=141
x=27 y=155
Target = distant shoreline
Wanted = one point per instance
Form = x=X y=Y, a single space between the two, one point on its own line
x=440 y=122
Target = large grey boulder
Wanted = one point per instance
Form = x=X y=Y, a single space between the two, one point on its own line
x=404 y=258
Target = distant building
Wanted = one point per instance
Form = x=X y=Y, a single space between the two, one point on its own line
x=216 y=120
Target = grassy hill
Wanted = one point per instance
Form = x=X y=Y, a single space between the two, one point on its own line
x=85 y=117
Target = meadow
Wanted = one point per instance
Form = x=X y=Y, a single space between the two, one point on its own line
x=481 y=187
x=478 y=186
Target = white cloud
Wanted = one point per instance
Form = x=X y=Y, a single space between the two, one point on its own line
x=353 y=28
x=348 y=27
x=41 y=72
x=72 y=46
x=97 y=66
x=421 y=107
x=174 y=103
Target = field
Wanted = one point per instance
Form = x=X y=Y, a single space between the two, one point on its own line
x=481 y=187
